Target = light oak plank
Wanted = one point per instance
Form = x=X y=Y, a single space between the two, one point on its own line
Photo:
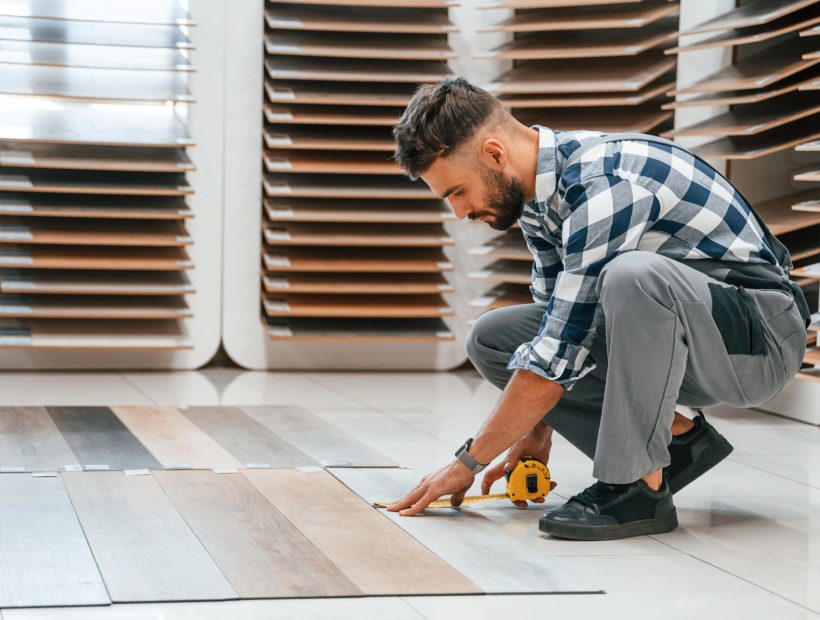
x=359 y=330
x=752 y=13
x=90 y=206
x=83 y=257
x=362 y=186
x=289 y=259
x=399 y=306
x=352 y=93
x=352 y=235
x=365 y=283
x=29 y=439
x=92 y=307
x=358 y=19
x=94 y=283
x=339 y=210
x=356 y=70
x=91 y=335
x=585 y=18
x=359 y=45
x=101 y=233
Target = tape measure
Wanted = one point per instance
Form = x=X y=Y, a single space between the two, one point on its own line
x=529 y=480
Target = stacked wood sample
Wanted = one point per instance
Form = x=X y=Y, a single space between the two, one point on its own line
x=93 y=167
x=351 y=249
x=773 y=107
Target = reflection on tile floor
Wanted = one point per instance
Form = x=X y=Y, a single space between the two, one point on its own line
x=748 y=545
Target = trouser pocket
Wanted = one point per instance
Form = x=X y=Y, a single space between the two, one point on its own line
x=738 y=320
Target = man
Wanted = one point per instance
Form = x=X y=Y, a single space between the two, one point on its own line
x=653 y=284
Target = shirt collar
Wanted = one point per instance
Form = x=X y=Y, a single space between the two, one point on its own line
x=546 y=177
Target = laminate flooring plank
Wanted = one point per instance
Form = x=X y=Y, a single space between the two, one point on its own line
x=82 y=157
x=245 y=438
x=144 y=12
x=88 y=206
x=360 y=306
x=338 y=93
x=94 y=283
x=288 y=259
x=74 y=334
x=92 y=307
x=29 y=438
x=465 y=539
x=33 y=53
x=753 y=13
x=260 y=552
x=44 y=557
x=356 y=70
x=84 y=257
x=172 y=438
x=98 y=437
x=585 y=18
x=344 y=234
x=342 y=186
x=143 y=547
x=395 y=563
x=88 y=33
x=360 y=330
x=358 y=19
x=358 y=45
x=94 y=182
x=313 y=210
x=314 y=436
x=107 y=233
x=364 y=283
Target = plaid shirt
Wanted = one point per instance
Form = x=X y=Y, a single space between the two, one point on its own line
x=617 y=197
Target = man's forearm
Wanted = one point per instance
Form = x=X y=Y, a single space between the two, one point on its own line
x=524 y=402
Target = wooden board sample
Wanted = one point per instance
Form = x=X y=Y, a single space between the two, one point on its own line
x=812 y=175
x=357 y=260
x=813 y=146
x=514 y=272
x=79 y=123
x=466 y=540
x=428 y=4
x=81 y=157
x=356 y=70
x=752 y=119
x=143 y=547
x=359 y=283
x=752 y=13
x=581 y=100
x=85 y=33
x=29 y=439
x=331 y=115
x=146 y=12
x=341 y=93
x=93 y=182
x=359 y=330
x=358 y=19
x=751 y=147
x=585 y=18
x=781 y=218
x=97 y=334
x=94 y=282
x=245 y=438
x=97 y=437
x=92 y=307
x=94 y=206
x=397 y=564
x=95 y=84
x=510 y=246
x=260 y=552
x=625 y=74
x=642 y=118
x=50 y=55
x=502 y=296
x=311 y=210
x=356 y=306
x=324 y=162
x=548 y=4
x=172 y=438
x=757 y=70
x=359 y=45
x=79 y=257
x=45 y=559
x=586 y=44
x=329 y=138
x=67 y=231
x=362 y=186
x=326 y=443
x=378 y=235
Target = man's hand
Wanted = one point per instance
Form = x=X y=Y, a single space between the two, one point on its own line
x=453 y=479
x=536 y=443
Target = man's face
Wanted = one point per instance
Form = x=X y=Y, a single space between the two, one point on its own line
x=477 y=191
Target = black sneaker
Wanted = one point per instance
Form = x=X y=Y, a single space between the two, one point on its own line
x=694 y=453
x=609 y=511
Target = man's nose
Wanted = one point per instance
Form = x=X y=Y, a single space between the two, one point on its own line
x=460 y=209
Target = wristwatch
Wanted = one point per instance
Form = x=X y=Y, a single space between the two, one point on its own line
x=466 y=458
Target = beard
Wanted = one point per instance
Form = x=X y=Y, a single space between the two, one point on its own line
x=505 y=199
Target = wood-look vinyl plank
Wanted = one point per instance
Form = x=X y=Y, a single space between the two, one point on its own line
x=330 y=163
x=143 y=547
x=549 y=4
x=362 y=186
x=172 y=438
x=246 y=439
x=350 y=235
x=781 y=218
x=585 y=18
x=74 y=334
x=375 y=306
x=395 y=563
x=772 y=141
x=582 y=100
x=260 y=552
x=94 y=182
x=81 y=157
x=331 y=115
x=752 y=13
x=146 y=12
x=84 y=257
x=364 y=283
x=29 y=439
x=89 y=206
x=422 y=4
x=92 y=307
x=375 y=211
x=356 y=70
x=329 y=138
x=465 y=539
x=338 y=93
x=358 y=19
x=359 y=45
x=327 y=444
x=88 y=33
x=642 y=118
x=33 y=53
x=45 y=560
x=98 y=437
x=94 y=283
x=290 y=259
x=359 y=330
x=102 y=233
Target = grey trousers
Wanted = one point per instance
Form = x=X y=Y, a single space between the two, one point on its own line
x=672 y=335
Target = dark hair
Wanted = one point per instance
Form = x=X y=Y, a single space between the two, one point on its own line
x=439 y=118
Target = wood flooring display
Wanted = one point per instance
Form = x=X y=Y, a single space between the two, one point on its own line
x=93 y=163
x=583 y=64
x=771 y=110
x=351 y=250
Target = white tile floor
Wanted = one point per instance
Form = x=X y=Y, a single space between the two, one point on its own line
x=748 y=546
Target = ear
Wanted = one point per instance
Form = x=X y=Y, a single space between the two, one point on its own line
x=493 y=153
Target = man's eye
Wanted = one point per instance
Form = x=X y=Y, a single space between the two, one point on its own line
x=458 y=193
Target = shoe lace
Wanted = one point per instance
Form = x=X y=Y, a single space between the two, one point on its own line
x=597 y=493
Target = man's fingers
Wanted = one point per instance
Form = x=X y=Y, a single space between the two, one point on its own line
x=407 y=500
x=490 y=476
x=520 y=503
x=420 y=505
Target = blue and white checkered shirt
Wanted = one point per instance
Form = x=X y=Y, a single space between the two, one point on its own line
x=617 y=197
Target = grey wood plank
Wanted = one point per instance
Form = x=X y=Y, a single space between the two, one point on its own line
x=98 y=437
x=143 y=547
x=89 y=33
x=143 y=12
x=245 y=438
x=47 y=54
x=29 y=438
x=44 y=557
x=256 y=547
x=324 y=442
x=465 y=539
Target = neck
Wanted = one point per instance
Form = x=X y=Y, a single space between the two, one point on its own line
x=527 y=158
